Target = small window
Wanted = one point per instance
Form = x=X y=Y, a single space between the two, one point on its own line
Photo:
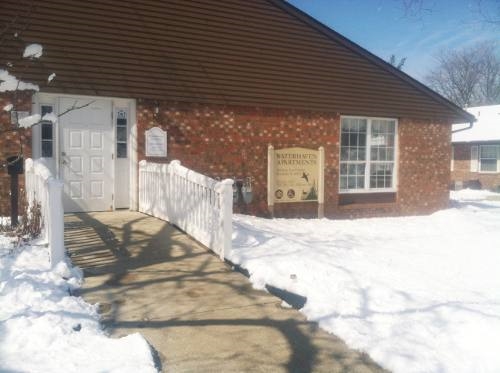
x=47 y=130
x=488 y=158
x=121 y=133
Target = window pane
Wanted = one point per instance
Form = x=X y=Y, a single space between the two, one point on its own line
x=343 y=182
x=121 y=134
x=344 y=139
x=46 y=109
x=351 y=182
x=390 y=154
x=353 y=153
x=47 y=148
x=489 y=165
x=489 y=151
x=362 y=124
x=362 y=154
x=121 y=122
x=121 y=150
x=344 y=153
x=381 y=175
x=46 y=131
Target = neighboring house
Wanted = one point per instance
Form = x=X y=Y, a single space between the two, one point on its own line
x=476 y=150
x=225 y=79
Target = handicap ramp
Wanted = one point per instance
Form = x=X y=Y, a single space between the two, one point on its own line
x=197 y=313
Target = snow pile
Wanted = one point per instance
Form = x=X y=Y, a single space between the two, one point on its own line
x=418 y=294
x=45 y=329
x=33 y=51
x=10 y=83
x=465 y=195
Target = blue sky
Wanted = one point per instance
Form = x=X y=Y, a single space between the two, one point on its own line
x=382 y=27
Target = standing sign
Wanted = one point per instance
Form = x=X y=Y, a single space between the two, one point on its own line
x=156 y=142
x=296 y=175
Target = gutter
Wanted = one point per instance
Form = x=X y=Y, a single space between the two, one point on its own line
x=471 y=124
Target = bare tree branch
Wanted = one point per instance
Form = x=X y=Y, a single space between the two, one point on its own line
x=75 y=107
x=469 y=76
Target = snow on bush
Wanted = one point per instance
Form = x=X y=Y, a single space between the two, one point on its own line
x=29 y=121
x=10 y=83
x=45 y=329
x=418 y=294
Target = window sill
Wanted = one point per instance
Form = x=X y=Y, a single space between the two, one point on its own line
x=364 y=199
x=368 y=191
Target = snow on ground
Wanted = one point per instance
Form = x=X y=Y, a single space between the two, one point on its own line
x=45 y=329
x=418 y=294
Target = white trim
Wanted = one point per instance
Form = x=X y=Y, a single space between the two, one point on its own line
x=395 y=161
x=133 y=157
x=474 y=158
x=53 y=98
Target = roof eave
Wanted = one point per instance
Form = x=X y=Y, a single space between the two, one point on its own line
x=330 y=33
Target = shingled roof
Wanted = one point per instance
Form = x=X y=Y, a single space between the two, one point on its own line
x=260 y=53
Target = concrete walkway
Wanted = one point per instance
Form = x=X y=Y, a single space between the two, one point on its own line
x=199 y=315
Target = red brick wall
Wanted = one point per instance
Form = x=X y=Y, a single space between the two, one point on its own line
x=10 y=144
x=461 y=169
x=232 y=142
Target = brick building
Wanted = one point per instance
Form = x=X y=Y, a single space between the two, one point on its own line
x=476 y=151
x=225 y=79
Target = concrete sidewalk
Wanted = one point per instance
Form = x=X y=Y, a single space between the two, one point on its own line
x=199 y=315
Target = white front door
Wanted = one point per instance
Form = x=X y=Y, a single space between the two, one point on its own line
x=86 y=159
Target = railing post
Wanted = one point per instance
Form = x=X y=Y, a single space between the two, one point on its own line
x=56 y=219
x=226 y=217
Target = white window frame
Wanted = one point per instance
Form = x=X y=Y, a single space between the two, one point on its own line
x=53 y=140
x=368 y=160
x=497 y=147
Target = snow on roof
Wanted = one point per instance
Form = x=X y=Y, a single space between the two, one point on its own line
x=486 y=128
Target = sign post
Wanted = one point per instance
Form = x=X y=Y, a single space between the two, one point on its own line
x=270 y=179
x=321 y=183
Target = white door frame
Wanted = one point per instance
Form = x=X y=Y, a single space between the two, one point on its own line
x=41 y=98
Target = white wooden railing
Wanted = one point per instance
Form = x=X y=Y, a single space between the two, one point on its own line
x=43 y=187
x=197 y=204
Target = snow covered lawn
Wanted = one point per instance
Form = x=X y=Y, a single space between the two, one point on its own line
x=418 y=294
x=45 y=329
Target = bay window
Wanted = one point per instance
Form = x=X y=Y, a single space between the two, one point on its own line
x=367 y=154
